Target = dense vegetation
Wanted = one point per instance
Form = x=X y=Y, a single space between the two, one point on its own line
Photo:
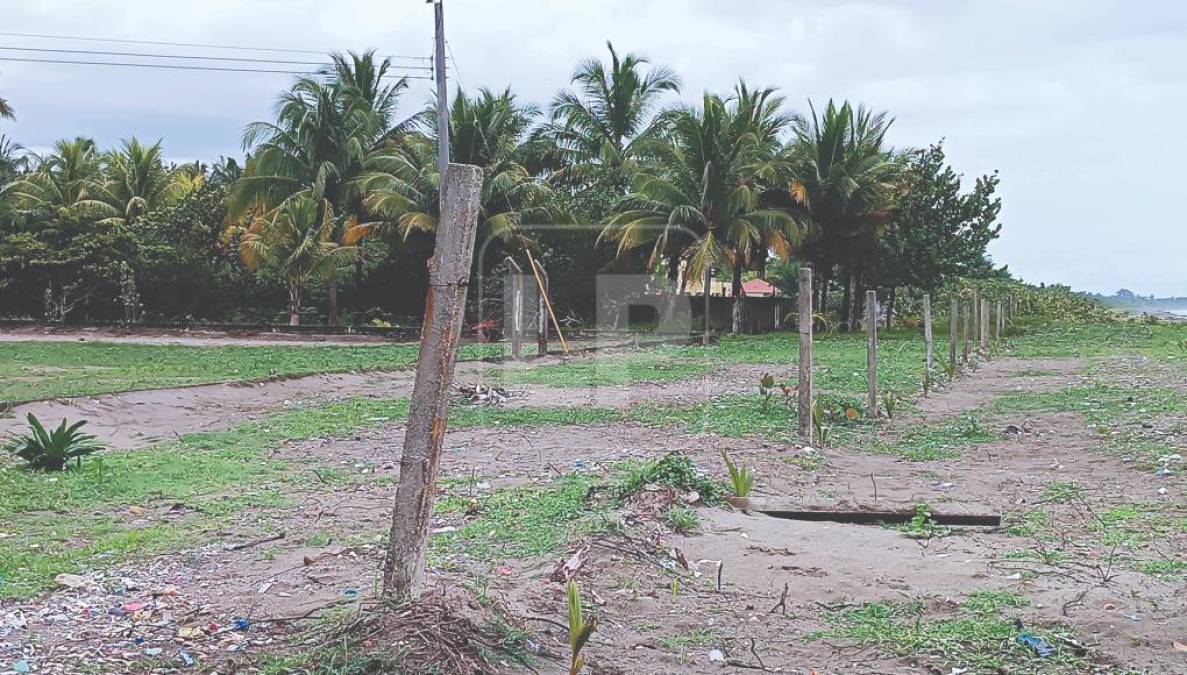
x=330 y=217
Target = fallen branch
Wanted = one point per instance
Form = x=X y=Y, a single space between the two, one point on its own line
x=256 y=542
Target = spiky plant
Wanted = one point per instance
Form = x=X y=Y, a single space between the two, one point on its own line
x=52 y=450
x=741 y=477
x=580 y=630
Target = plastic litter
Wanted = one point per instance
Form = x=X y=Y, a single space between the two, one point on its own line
x=351 y=592
x=717 y=656
x=241 y=623
x=153 y=651
x=1163 y=472
x=186 y=658
x=1038 y=645
x=21 y=666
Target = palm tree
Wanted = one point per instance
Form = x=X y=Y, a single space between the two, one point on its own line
x=136 y=181
x=66 y=182
x=602 y=125
x=326 y=127
x=297 y=240
x=488 y=130
x=698 y=199
x=843 y=182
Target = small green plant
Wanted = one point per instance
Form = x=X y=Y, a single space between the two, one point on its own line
x=950 y=369
x=928 y=382
x=766 y=389
x=682 y=520
x=52 y=450
x=741 y=477
x=580 y=630
x=821 y=430
x=890 y=403
x=922 y=526
x=674 y=470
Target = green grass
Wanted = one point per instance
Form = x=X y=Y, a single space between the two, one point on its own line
x=978 y=634
x=39 y=370
x=939 y=441
x=76 y=517
x=697 y=637
x=524 y=521
x=1162 y=341
x=605 y=370
x=1171 y=569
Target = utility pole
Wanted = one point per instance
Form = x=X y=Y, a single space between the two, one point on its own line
x=442 y=100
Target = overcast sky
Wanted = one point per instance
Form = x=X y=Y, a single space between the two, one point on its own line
x=1078 y=103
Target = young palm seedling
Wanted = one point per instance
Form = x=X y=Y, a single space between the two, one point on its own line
x=890 y=404
x=766 y=389
x=741 y=477
x=950 y=370
x=52 y=450
x=580 y=630
x=821 y=430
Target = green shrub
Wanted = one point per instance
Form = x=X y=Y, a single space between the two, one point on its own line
x=674 y=470
x=51 y=451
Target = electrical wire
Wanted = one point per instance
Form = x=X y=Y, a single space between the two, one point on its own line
x=190 y=44
x=174 y=66
x=183 y=56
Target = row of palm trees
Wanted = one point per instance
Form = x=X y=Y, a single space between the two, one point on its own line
x=726 y=183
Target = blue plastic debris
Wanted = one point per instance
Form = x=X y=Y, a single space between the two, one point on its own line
x=241 y=623
x=21 y=666
x=1163 y=472
x=351 y=592
x=1038 y=645
x=138 y=640
x=186 y=658
x=153 y=651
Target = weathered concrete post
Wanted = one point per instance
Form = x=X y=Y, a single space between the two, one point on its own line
x=541 y=310
x=999 y=326
x=927 y=338
x=449 y=274
x=872 y=353
x=805 y=382
x=514 y=326
x=953 y=330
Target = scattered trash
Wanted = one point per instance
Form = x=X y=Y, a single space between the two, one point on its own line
x=481 y=394
x=21 y=666
x=1015 y=576
x=1163 y=472
x=153 y=651
x=190 y=632
x=1038 y=645
x=240 y=623
x=717 y=656
x=565 y=571
x=186 y=658
x=351 y=592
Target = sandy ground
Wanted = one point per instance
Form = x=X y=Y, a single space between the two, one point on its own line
x=193 y=338
x=1130 y=621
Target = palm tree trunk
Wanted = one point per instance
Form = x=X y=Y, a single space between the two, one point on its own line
x=890 y=298
x=736 y=291
x=825 y=277
x=856 y=307
x=333 y=300
x=294 y=303
x=673 y=289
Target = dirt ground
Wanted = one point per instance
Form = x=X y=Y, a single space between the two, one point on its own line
x=742 y=563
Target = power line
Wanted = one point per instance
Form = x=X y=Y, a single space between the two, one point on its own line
x=190 y=44
x=173 y=66
x=183 y=56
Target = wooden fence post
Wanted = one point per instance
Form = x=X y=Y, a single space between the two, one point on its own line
x=1001 y=322
x=514 y=327
x=541 y=310
x=953 y=330
x=976 y=315
x=927 y=329
x=428 y=413
x=985 y=326
x=968 y=317
x=872 y=353
x=805 y=358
